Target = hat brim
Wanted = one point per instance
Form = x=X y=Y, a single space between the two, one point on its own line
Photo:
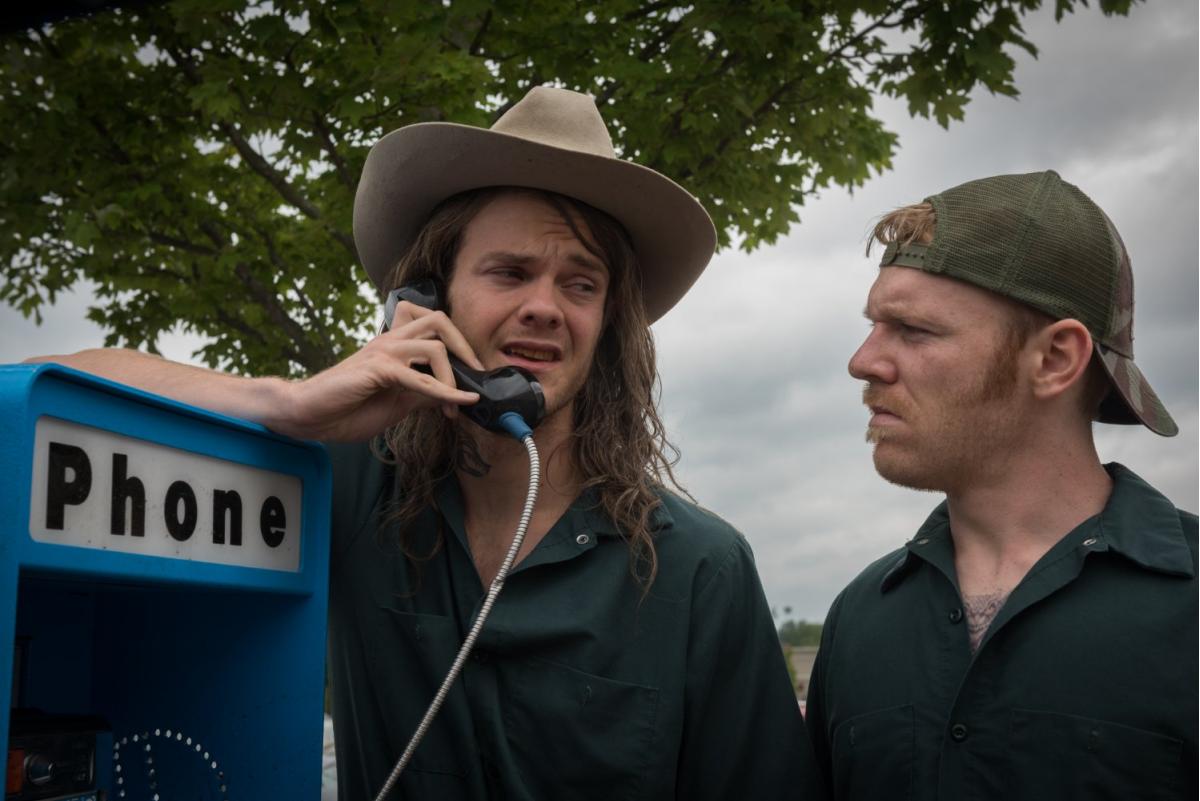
x=1132 y=399
x=413 y=169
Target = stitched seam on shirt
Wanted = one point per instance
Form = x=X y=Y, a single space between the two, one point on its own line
x=726 y=560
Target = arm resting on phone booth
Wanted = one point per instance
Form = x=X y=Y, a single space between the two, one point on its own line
x=352 y=401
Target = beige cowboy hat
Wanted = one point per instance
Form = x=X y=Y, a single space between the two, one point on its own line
x=555 y=140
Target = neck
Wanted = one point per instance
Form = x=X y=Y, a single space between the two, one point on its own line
x=1002 y=523
x=499 y=493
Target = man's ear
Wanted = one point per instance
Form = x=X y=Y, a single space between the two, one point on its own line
x=1063 y=353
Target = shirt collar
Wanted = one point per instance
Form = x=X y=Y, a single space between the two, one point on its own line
x=1137 y=522
x=932 y=543
x=585 y=514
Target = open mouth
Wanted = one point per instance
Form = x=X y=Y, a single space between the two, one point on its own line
x=531 y=354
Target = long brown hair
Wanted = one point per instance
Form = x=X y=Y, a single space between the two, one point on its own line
x=619 y=443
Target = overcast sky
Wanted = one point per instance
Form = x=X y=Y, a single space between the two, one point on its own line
x=753 y=360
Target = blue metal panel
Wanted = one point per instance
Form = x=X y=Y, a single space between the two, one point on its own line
x=229 y=656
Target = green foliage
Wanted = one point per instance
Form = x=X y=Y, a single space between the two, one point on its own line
x=791 y=669
x=800 y=633
x=197 y=159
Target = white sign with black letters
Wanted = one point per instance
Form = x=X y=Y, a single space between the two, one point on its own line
x=96 y=489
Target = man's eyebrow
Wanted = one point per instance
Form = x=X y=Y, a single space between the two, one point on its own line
x=893 y=311
x=588 y=263
x=520 y=259
x=506 y=256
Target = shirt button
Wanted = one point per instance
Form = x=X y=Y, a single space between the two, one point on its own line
x=583 y=539
x=922 y=541
x=955 y=615
x=1090 y=541
x=959 y=732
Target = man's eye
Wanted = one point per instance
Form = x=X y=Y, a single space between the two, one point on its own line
x=912 y=330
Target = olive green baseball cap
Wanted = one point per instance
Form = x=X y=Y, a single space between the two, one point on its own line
x=1041 y=241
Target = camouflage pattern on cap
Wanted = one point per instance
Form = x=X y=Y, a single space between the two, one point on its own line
x=1041 y=241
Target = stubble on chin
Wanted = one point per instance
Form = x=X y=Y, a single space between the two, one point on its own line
x=897 y=465
x=902 y=474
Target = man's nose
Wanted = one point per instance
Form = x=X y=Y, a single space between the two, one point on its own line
x=541 y=304
x=871 y=361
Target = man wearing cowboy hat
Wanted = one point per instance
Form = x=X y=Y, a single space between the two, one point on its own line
x=631 y=654
x=1037 y=637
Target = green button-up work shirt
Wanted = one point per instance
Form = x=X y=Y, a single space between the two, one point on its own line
x=578 y=688
x=1084 y=687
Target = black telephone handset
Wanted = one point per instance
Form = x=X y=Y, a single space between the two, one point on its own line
x=507 y=389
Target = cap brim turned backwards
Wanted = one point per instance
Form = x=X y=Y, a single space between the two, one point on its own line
x=1132 y=400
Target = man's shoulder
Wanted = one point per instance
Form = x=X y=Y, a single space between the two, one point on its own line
x=869 y=582
x=1187 y=522
x=360 y=481
x=695 y=544
x=357 y=470
x=679 y=516
x=700 y=554
x=1147 y=525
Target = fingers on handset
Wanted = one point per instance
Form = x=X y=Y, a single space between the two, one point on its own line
x=405 y=313
x=439 y=386
x=416 y=322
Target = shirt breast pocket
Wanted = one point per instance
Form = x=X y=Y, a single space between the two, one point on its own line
x=577 y=735
x=1065 y=757
x=873 y=755
x=407 y=660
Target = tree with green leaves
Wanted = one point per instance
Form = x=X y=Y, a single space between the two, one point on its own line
x=800 y=633
x=197 y=160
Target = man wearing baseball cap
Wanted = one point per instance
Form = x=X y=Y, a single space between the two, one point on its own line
x=1037 y=638
x=632 y=654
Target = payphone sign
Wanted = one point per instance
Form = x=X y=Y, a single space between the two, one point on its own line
x=97 y=489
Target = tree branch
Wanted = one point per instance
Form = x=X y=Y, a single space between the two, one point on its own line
x=247 y=331
x=281 y=265
x=254 y=160
x=267 y=171
x=214 y=235
x=117 y=153
x=654 y=47
x=181 y=244
x=330 y=148
x=307 y=355
x=657 y=45
x=788 y=85
x=476 y=47
x=647 y=10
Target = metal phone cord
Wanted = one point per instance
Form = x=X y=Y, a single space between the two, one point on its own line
x=465 y=650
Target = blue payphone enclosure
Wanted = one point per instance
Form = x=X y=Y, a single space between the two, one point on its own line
x=164 y=569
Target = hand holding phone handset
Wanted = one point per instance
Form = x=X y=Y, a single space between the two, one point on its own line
x=507 y=389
